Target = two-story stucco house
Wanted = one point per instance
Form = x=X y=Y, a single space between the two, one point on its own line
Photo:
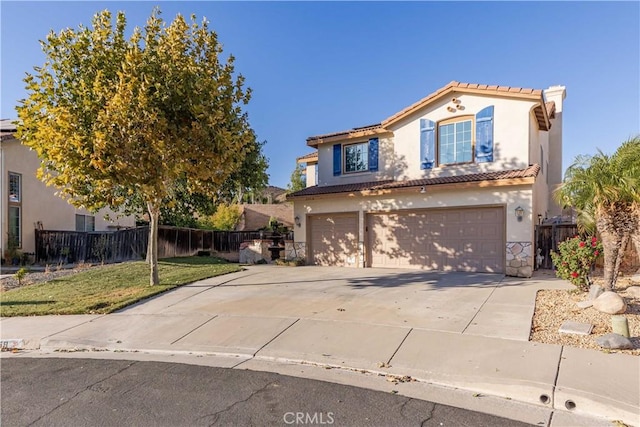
x=26 y=203
x=455 y=182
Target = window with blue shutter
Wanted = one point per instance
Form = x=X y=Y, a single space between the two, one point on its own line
x=484 y=135
x=427 y=144
x=373 y=154
x=337 y=159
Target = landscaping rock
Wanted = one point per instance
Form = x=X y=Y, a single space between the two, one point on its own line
x=584 y=304
x=595 y=291
x=614 y=341
x=634 y=292
x=635 y=278
x=610 y=303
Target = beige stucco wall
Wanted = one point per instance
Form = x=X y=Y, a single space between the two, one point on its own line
x=399 y=154
x=386 y=164
x=510 y=135
x=510 y=197
x=39 y=202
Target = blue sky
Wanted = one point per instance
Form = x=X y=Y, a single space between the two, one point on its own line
x=319 y=67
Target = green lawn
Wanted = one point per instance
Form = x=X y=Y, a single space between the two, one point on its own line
x=105 y=289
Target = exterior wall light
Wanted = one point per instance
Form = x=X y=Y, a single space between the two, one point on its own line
x=539 y=219
x=519 y=213
x=297 y=221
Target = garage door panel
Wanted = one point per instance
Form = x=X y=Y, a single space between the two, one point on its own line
x=333 y=239
x=466 y=239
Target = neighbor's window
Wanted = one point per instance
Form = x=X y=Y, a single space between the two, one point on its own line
x=356 y=157
x=15 y=229
x=85 y=223
x=455 y=144
x=15 y=192
x=15 y=209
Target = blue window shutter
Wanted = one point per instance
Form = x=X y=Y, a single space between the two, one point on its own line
x=337 y=159
x=427 y=144
x=373 y=154
x=484 y=135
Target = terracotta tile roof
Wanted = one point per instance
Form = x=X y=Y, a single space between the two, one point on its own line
x=308 y=157
x=465 y=87
x=346 y=132
x=531 y=171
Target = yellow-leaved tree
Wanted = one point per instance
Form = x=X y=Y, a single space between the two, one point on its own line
x=117 y=121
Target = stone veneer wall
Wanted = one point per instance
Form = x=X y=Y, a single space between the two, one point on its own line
x=519 y=259
x=293 y=250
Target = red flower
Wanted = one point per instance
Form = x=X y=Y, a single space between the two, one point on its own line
x=581 y=244
x=596 y=253
x=594 y=239
x=574 y=274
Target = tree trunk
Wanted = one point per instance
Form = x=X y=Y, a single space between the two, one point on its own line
x=152 y=251
x=611 y=240
x=635 y=234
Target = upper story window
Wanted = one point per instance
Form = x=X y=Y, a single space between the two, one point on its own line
x=457 y=140
x=455 y=144
x=15 y=190
x=356 y=157
x=85 y=223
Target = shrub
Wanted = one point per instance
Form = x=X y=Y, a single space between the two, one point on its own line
x=21 y=274
x=575 y=258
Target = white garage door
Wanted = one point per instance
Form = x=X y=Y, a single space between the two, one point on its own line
x=461 y=239
x=334 y=239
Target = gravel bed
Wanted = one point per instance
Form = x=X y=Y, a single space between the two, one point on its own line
x=8 y=283
x=553 y=307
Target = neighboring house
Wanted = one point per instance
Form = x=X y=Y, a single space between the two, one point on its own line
x=455 y=182
x=310 y=164
x=255 y=217
x=26 y=203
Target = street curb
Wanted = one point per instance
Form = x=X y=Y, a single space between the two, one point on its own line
x=605 y=413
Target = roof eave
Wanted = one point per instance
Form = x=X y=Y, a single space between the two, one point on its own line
x=534 y=95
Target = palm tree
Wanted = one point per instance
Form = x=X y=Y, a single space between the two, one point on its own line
x=607 y=186
x=628 y=157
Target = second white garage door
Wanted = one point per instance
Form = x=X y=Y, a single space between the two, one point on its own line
x=334 y=239
x=461 y=239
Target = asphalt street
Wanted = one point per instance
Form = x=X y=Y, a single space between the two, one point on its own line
x=85 y=392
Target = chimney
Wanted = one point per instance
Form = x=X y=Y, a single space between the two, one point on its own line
x=557 y=94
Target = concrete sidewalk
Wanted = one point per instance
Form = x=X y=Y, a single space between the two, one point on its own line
x=367 y=327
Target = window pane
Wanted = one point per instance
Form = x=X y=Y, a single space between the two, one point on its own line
x=454 y=141
x=90 y=223
x=356 y=157
x=14 y=188
x=14 y=225
x=79 y=222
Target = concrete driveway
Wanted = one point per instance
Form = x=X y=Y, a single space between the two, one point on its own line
x=469 y=303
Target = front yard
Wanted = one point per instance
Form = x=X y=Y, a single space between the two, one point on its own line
x=104 y=289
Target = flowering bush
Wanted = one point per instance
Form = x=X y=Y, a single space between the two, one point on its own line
x=575 y=258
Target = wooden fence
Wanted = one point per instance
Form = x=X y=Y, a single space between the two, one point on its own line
x=548 y=237
x=131 y=244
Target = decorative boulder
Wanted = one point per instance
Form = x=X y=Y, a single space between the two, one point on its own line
x=595 y=291
x=610 y=303
x=614 y=341
x=634 y=292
